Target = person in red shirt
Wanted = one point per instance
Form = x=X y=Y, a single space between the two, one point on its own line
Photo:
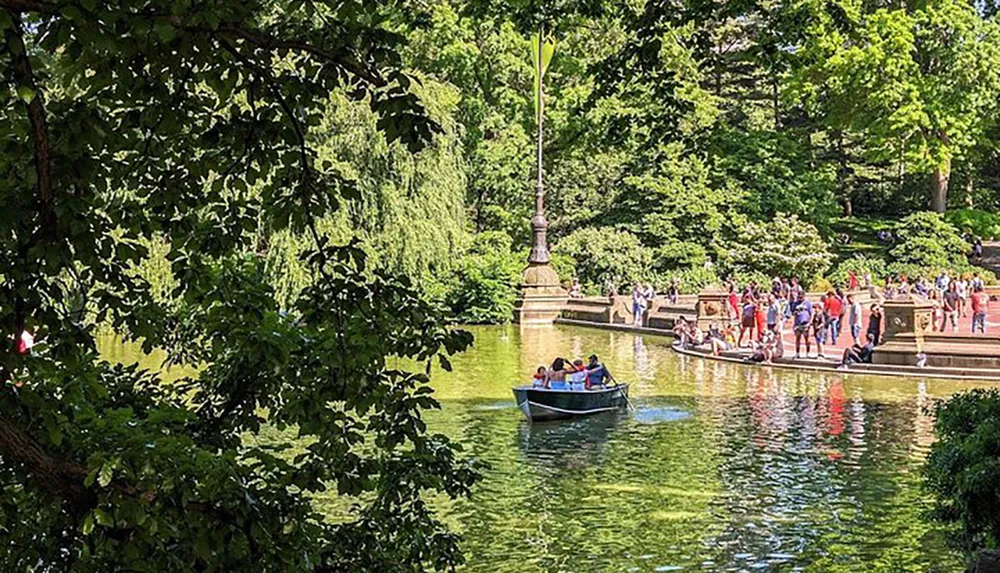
x=980 y=302
x=761 y=321
x=832 y=309
x=734 y=302
x=853 y=281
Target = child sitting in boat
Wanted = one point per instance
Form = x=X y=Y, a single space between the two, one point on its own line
x=578 y=378
x=538 y=378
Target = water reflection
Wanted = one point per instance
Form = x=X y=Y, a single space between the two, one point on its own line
x=721 y=468
x=555 y=446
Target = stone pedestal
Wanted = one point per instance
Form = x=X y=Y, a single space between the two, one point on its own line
x=711 y=307
x=908 y=319
x=908 y=314
x=541 y=299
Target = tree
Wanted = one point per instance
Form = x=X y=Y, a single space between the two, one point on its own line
x=963 y=468
x=920 y=81
x=191 y=124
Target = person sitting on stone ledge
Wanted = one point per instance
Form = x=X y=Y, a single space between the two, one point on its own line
x=768 y=349
x=857 y=354
x=576 y=290
x=682 y=330
x=718 y=339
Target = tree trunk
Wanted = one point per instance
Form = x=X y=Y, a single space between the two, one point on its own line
x=775 y=103
x=939 y=188
x=970 y=190
x=843 y=175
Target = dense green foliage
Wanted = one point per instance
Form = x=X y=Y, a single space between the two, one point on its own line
x=483 y=288
x=292 y=195
x=963 y=469
x=608 y=257
x=927 y=240
x=677 y=133
x=789 y=248
x=984 y=224
x=179 y=140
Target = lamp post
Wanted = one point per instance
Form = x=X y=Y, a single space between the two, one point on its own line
x=539 y=225
x=541 y=299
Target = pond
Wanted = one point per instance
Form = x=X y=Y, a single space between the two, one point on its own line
x=721 y=467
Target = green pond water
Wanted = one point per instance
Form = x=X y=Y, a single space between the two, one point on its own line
x=721 y=467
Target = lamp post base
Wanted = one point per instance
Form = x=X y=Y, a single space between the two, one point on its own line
x=541 y=299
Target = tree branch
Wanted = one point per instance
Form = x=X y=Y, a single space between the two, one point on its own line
x=271 y=43
x=25 y=79
x=23 y=5
x=56 y=477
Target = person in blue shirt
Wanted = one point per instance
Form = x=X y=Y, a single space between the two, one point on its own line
x=802 y=312
x=597 y=373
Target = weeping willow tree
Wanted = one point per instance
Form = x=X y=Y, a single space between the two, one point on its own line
x=409 y=212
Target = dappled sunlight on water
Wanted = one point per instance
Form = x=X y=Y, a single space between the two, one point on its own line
x=720 y=467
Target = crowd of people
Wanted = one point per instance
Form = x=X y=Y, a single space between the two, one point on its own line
x=756 y=317
x=953 y=298
x=572 y=375
x=762 y=316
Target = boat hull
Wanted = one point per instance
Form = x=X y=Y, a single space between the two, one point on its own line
x=540 y=404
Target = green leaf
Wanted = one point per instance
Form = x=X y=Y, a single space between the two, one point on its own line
x=165 y=31
x=25 y=93
x=88 y=524
x=103 y=518
x=105 y=475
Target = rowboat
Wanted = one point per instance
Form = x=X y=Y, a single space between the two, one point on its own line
x=541 y=404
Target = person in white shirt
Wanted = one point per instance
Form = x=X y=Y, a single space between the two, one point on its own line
x=854 y=317
x=977 y=282
x=963 y=296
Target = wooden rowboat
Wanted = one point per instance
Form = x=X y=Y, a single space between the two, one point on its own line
x=541 y=404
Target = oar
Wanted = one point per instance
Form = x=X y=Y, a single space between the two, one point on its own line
x=624 y=394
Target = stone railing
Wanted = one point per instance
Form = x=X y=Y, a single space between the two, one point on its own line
x=909 y=332
x=618 y=310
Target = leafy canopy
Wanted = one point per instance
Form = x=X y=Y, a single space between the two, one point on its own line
x=189 y=126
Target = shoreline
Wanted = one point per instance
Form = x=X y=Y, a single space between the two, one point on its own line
x=799 y=364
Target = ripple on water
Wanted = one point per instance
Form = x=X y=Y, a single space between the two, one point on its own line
x=659 y=414
x=489 y=406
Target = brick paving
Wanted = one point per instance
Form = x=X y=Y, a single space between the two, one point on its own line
x=835 y=352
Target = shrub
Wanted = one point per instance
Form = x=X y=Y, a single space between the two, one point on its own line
x=820 y=285
x=561 y=263
x=689 y=281
x=485 y=286
x=679 y=255
x=927 y=240
x=605 y=256
x=976 y=221
x=745 y=277
x=784 y=247
x=963 y=468
x=860 y=265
